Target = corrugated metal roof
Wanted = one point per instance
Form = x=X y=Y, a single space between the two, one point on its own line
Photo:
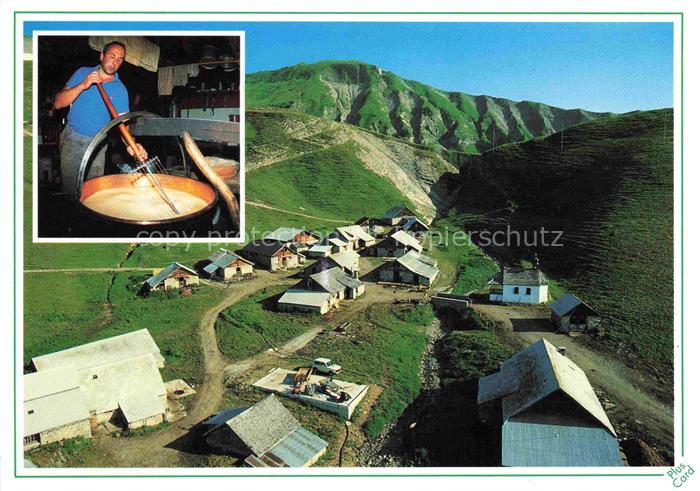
x=537 y=444
x=52 y=399
x=345 y=259
x=263 y=424
x=265 y=248
x=395 y=211
x=110 y=350
x=222 y=259
x=414 y=222
x=419 y=264
x=567 y=303
x=287 y=234
x=540 y=370
x=166 y=272
x=298 y=296
x=298 y=448
x=355 y=232
x=523 y=276
x=334 y=280
x=406 y=239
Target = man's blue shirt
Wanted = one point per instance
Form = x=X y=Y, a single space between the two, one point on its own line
x=88 y=113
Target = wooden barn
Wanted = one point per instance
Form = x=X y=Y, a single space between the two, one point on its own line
x=572 y=315
x=175 y=275
x=265 y=434
x=226 y=265
x=272 y=255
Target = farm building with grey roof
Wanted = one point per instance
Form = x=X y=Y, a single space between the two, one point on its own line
x=266 y=434
x=551 y=415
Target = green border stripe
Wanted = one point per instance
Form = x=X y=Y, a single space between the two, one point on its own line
x=14 y=245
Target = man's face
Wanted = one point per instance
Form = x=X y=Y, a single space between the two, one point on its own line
x=112 y=59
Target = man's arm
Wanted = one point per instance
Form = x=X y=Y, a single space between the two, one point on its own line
x=68 y=95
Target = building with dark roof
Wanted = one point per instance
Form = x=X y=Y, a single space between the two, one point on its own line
x=551 y=415
x=174 y=275
x=412 y=268
x=320 y=292
x=272 y=255
x=397 y=214
x=519 y=285
x=572 y=315
x=396 y=245
x=226 y=265
x=266 y=434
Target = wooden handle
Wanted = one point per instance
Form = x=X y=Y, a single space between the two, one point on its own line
x=126 y=134
x=214 y=178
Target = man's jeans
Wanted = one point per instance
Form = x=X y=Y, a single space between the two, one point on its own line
x=73 y=146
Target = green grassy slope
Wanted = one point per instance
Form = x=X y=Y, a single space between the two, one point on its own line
x=369 y=97
x=608 y=185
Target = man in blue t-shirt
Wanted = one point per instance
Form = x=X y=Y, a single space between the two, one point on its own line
x=88 y=114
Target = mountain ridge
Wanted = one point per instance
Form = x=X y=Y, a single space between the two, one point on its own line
x=370 y=97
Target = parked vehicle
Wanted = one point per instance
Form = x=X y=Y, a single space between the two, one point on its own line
x=325 y=366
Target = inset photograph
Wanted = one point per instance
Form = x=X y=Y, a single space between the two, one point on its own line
x=137 y=137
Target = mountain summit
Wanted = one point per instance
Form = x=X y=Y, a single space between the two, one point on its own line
x=366 y=96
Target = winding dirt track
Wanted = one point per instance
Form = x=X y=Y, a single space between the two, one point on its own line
x=165 y=448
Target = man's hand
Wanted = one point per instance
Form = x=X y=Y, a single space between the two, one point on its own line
x=94 y=78
x=142 y=154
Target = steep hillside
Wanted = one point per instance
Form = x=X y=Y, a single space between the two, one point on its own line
x=367 y=96
x=330 y=170
x=608 y=186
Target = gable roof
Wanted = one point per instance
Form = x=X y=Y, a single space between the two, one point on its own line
x=115 y=349
x=222 y=259
x=419 y=264
x=266 y=248
x=299 y=296
x=395 y=211
x=287 y=234
x=345 y=259
x=406 y=239
x=334 y=280
x=353 y=232
x=261 y=426
x=297 y=449
x=523 y=276
x=534 y=374
x=166 y=272
x=52 y=398
x=567 y=303
x=414 y=222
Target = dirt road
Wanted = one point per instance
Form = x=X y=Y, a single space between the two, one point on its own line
x=165 y=448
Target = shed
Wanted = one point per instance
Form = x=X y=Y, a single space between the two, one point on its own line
x=302 y=300
x=272 y=255
x=226 y=265
x=266 y=434
x=551 y=415
x=320 y=250
x=174 y=275
x=571 y=314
